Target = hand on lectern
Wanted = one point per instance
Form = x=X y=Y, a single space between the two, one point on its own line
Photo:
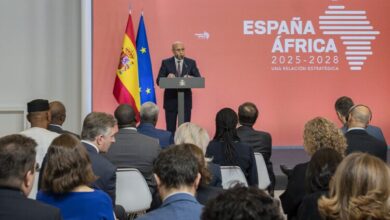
x=171 y=75
x=188 y=76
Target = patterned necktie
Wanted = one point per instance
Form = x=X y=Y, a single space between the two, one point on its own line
x=178 y=68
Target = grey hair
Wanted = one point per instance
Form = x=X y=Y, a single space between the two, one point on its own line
x=191 y=133
x=149 y=112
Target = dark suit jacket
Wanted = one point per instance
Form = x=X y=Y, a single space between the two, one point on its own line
x=360 y=140
x=14 y=205
x=105 y=171
x=134 y=150
x=165 y=137
x=244 y=156
x=215 y=171
x=261 y=142
x=295 y=191
x=205 y=193
x=170 y=95
x=308 y=210
x=181 y=206
x=371 y=130
x=59 y=130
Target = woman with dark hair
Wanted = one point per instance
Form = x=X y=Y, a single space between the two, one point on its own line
x=319 y=172
x=66 y=179
x=226 y=148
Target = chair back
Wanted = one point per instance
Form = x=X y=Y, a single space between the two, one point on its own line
x=132 y=191
x=231 y=175
x=262 y=171
x=34 y=189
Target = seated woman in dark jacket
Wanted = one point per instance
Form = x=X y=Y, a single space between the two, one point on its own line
x=226 y=148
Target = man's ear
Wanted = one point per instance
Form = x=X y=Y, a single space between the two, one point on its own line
x=28 y=182
x=158 y=181
x=197 y=180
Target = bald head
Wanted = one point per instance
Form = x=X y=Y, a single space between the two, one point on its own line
x=359 y=116
x=178 y=50
x=125 y=116
x=58 y=112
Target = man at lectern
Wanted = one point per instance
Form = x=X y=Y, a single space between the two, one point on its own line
x=177 y=66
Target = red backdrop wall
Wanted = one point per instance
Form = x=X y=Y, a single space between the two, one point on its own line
x=238 y=67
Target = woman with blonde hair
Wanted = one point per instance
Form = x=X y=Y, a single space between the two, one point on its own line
x=359 y=190
x=66 y=179
x=318 y=133
x=191 y=133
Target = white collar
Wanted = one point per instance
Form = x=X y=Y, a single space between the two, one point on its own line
x=56 y=125
x=356 y=128
x=90 y=143
x=130 y=128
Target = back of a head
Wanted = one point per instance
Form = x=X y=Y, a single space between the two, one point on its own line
x=176 y=167
x=342 y=105
x=242 y=203
x=199 y=155
x=149 y=112
x=67 y=165
x=58 y=112
x=17 y=157
x=359 y=116
x=247 y=114
x=95 y=124
x=360 y=189
x=193 y=134
x=38 y=113
x=319 y=133
x=125 y=115
x=226 y=122
x=322 y=166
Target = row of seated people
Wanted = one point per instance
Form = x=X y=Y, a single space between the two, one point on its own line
x=359 y=188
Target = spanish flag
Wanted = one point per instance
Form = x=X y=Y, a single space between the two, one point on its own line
x=126 y=88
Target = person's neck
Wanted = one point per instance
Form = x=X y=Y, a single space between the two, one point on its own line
x=164 y=193
x=39 y=124
x=82 y=188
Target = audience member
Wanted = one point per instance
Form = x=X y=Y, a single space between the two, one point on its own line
x=318 y=133
x=342 y=106
x=260 y=141
x=97 y=136
x=177 y=174
x=191 y=133
x=359 y=190
x=39 y=118
x=226 y=149
x=17 y=172
x=357 y=137
x=149 y=116
x=242 y=203
x=322 y=166
x=58 y=116
x=66 y=176
x=131 y=148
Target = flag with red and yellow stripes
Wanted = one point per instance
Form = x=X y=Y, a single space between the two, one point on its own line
x=126 y=88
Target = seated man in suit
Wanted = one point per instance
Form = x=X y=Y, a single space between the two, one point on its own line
x=176 y=172
x=58 y=116
x=39 y=118
x=177 y=66
x=342 y=106
x=17 y=173
x=149 y=116
x=261 y=141
x=358 y=138
x=97 y=136
x=132 y=149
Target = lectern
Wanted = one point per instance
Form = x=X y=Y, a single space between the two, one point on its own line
x=181 y=83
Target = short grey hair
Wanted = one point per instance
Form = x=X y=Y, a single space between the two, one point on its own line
x=95 y=124
x=149 y=112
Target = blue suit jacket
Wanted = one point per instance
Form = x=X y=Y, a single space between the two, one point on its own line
x=180 y=206
x=165 y=137
x=104 y=170
x=374 y=131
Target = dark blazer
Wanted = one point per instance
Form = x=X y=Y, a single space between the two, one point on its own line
x=14 y=205
x=371 y=130
x=170 y=95
x=215 y=171
x=105 y=171
x=308 y=210
x=134 y=150
x=58 y=129
x=205 y=193
x=244 y=156
x=261 y=142
x=360 y=140
x=165 y=137
x=295 y=191
x=181 y=206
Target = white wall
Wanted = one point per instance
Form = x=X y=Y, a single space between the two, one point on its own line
x=40 y=57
